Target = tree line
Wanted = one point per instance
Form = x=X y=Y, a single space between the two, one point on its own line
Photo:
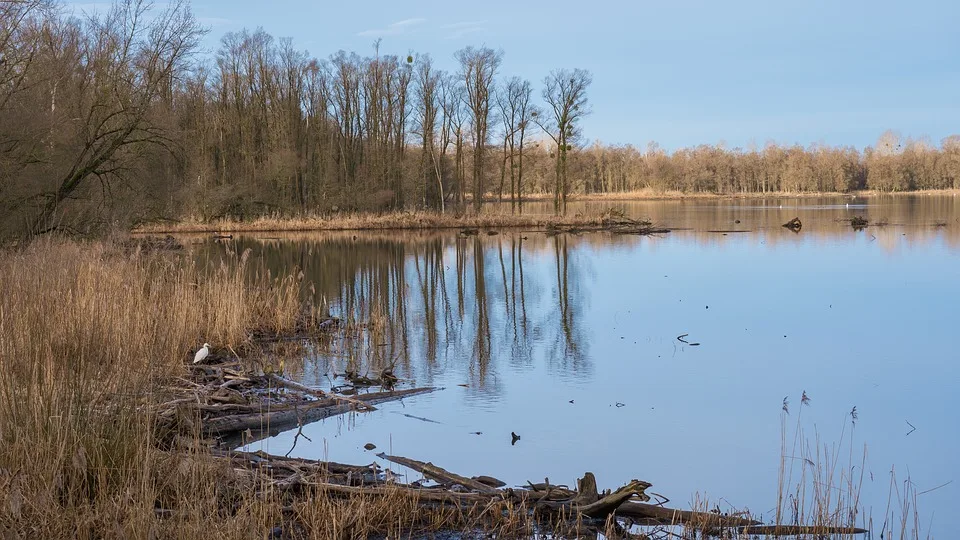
x=113 y=119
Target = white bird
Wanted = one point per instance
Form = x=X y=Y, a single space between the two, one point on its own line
x=202 y=353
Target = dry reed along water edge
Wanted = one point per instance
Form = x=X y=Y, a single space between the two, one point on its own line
x=91 y=332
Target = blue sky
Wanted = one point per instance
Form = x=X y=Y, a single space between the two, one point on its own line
x=682 y=73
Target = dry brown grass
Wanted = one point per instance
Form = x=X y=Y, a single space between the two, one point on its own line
x=86 y=335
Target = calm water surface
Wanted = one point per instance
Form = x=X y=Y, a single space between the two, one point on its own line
x=571 y=342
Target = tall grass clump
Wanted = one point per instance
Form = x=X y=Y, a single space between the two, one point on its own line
x=820 y=485
x=89 y=335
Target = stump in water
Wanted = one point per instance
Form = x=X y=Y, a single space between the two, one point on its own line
x=859 y=223
x=794 y=224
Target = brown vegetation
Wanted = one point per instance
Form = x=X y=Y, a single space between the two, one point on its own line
x=86 y=335
x=388 y=221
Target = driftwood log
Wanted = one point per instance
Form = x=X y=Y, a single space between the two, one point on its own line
x=287 y=383
x=650 y=514
x=439 y=474
x=800 y=530
x=298 y=413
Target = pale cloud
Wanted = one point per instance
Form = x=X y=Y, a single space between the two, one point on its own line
x=464 y=28
x=394 y=29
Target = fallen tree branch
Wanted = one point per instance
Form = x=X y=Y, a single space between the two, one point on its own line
x=287 y=383
x=299 y=412
x=437 y=473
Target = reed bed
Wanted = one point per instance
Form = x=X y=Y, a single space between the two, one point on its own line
x=87 y=335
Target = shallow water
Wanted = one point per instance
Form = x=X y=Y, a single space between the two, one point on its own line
x=571 y=342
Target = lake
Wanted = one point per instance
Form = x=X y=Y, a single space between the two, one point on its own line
x=584 y=345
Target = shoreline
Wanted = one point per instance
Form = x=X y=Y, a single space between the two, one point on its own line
x=653 y=195
x=469 y=224
x=489 y=219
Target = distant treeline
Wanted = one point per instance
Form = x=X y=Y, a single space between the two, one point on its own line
x=891 y=165
x=110 y=120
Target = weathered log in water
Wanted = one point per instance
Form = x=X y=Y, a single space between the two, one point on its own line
x=287 y=383
x=651 y=514
x=299 y=413
x=799 y=530
x=588 y=502
x=437 y=473
x=263 y=459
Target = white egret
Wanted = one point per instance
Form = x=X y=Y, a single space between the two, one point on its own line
x=202 y=353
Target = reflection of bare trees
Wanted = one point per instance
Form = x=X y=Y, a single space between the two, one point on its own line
x=568 y=341
x=521 y=335
x=423 y=308
x=481 y=348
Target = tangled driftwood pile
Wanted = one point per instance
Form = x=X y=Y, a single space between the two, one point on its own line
x=229 y=406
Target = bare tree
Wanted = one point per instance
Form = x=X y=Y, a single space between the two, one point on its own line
x=19 y=44
x=478 y=68
x=428 y=88
x=454 y=110
x=126 y=62
x=566 y=95
x=347 y=114
x=516 y=113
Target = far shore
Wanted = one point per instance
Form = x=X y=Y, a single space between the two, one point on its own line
x=656 y=195
x=488 y=218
